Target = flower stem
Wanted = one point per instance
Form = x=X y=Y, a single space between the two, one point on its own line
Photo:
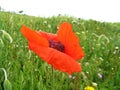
x=5 y=74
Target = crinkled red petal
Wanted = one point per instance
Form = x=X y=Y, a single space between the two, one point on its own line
x=71 y=42
x=34 y=37
x=58 y=60
x=48 y=36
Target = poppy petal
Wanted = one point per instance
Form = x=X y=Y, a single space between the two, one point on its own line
x=71 y=42
x=39 y=50
x=58 y=60
x=33 y=36
x=63 y=62
x=48 y=36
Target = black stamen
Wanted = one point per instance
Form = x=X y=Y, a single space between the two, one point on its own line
x=56 y=45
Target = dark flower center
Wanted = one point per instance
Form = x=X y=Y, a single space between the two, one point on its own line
x=56 y=45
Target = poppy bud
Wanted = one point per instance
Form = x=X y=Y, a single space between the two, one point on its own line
x=7 y=85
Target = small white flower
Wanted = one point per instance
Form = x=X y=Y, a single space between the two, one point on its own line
x=73 y=77
x=49 y=26
x=100 y=75
x=45 y=22
x=116 y=47
x=94 y=84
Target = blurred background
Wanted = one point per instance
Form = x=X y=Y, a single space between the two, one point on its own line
x=101 y=10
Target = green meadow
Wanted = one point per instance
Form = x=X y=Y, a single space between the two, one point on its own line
x=26 y=71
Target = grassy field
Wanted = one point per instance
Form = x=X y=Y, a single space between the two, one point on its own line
x=26 y=71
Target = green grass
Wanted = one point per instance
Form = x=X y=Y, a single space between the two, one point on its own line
x=26 y=71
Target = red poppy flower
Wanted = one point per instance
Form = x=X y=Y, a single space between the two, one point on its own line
x=61 y=50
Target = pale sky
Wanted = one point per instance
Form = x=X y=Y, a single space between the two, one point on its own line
x=101 y=10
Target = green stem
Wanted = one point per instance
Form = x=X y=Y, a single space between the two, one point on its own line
x=52 y=78
x=5 y=74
